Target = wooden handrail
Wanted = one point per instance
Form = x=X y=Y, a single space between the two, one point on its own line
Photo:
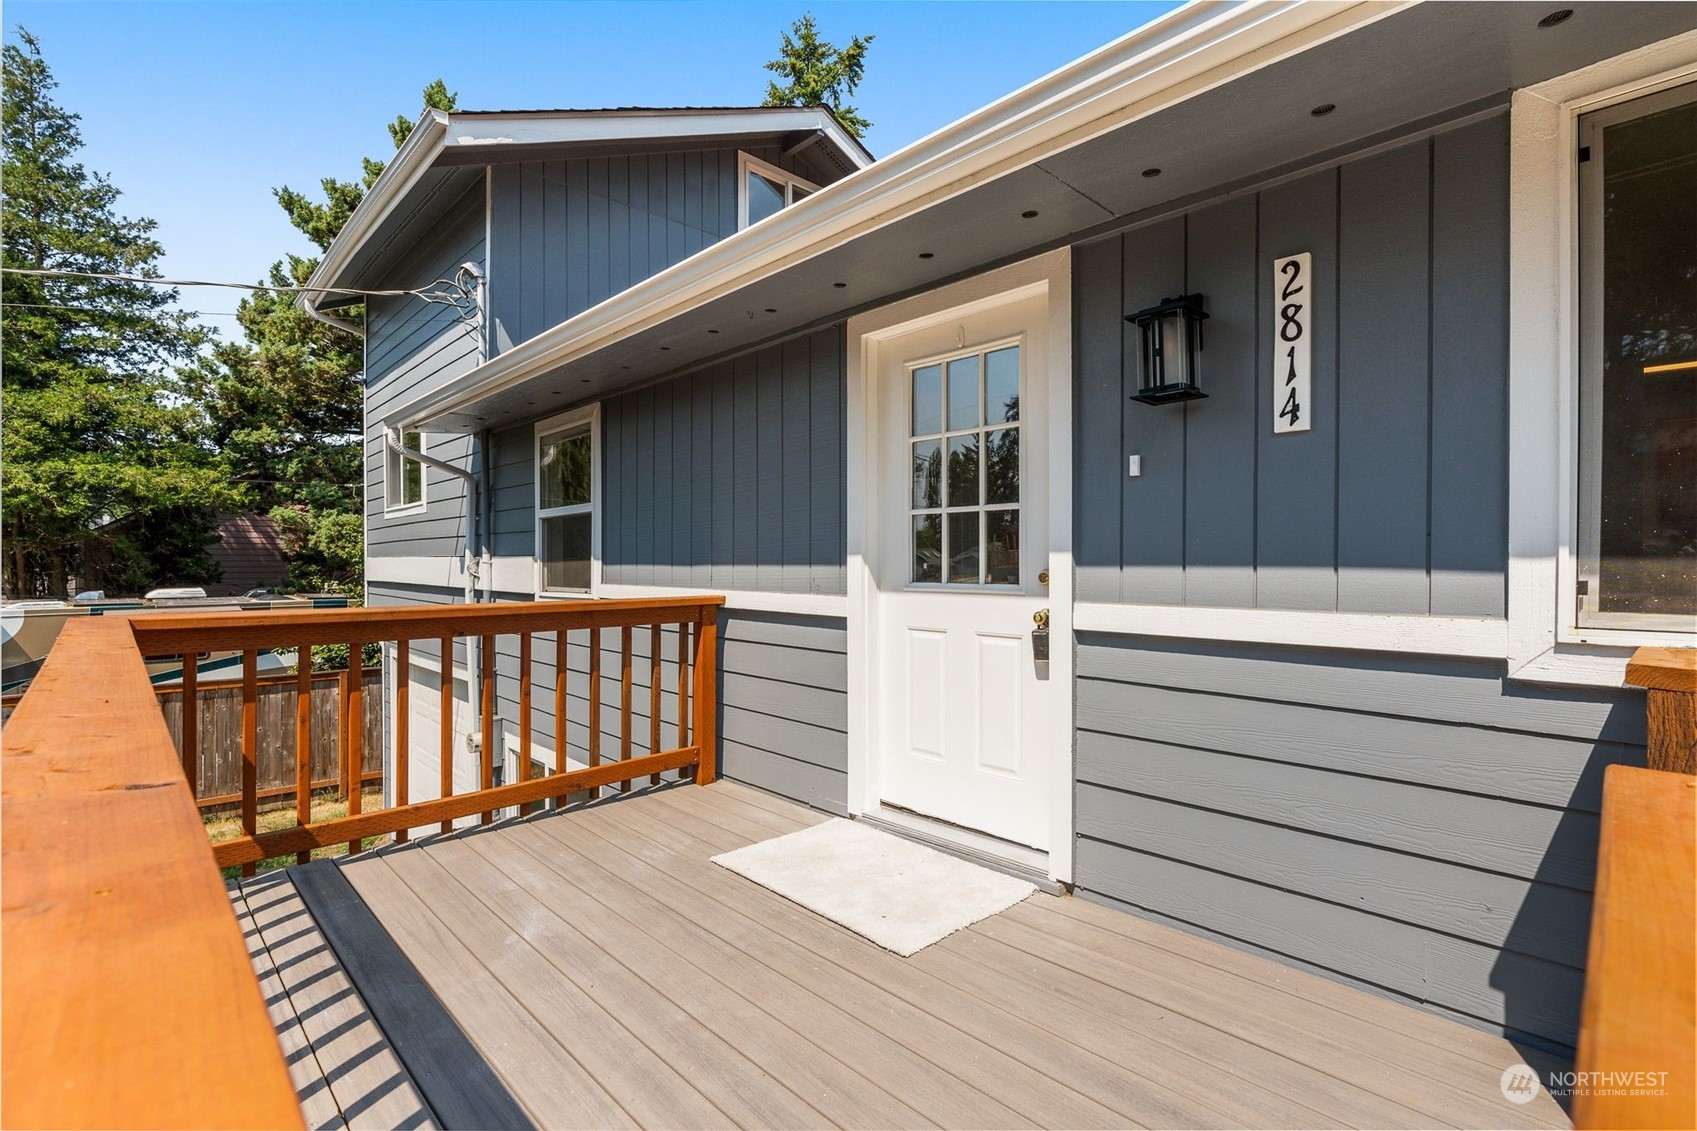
x=129 y=997
x=1638 y=1029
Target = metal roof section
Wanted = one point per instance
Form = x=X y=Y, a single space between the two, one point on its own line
x=444 y=156
x=1213 y=97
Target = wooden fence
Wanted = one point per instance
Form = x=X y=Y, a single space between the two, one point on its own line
x=221 y=735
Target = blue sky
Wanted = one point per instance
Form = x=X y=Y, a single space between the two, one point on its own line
x=198 y=110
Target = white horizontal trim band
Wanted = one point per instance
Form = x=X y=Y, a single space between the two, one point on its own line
x=802 y=604
x=1483 y=637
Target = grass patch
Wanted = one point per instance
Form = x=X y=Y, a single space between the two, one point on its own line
x=325 y=807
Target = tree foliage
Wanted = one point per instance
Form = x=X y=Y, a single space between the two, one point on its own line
x=286 y=401
x=108 y=474
x=817 y=73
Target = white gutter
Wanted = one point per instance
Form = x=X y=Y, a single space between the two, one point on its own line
x=1196 y=48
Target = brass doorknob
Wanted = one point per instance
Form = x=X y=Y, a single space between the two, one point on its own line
x=1041 y=619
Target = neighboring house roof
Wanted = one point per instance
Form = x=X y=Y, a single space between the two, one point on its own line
x=250 y=548
x=446 y=151
x=1211 y=97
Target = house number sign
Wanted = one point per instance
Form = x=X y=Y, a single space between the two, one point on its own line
x=1293 y=320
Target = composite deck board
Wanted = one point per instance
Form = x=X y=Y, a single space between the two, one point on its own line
x=365 y=1081
x=413 y=1008
x=318 y=1107
x=1246 y=1083
x=602 y=971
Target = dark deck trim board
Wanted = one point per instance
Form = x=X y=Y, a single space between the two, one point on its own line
x=593 y=967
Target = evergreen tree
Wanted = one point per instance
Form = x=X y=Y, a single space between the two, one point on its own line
x=816 y=73
x=286 y=401
x=102 y=454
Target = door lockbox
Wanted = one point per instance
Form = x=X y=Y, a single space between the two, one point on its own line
x=1040 y=636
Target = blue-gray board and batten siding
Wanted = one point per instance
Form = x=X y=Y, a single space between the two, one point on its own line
x=1422 y=826
x=729 y=477
x=411 y=348
x=567 y=234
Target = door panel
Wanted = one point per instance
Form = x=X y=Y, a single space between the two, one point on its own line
x=965 y=718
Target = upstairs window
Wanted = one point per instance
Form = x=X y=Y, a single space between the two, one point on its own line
x=766 y=189
x=403 y=479
x=1637 y=563
x=567 y=453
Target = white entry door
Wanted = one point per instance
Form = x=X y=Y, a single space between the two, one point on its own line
x=970 y=729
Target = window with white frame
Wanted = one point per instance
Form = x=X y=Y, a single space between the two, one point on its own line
x=403 y=478
x=1637 y=536
x=567 y=455
x=765 y=190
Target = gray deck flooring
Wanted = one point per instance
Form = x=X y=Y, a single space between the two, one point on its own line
x=592 y=968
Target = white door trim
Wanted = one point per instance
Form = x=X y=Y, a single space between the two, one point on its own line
x=1047 y=275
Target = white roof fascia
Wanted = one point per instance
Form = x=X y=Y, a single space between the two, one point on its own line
x=540 y=127
x=438 y=131
x=411 y=162
x=1195 y=48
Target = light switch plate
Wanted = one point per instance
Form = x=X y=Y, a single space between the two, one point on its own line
x=1136 y=467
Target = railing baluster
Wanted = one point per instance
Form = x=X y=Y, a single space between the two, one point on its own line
x=191 y=721
x=445 y=701
x=560 y=701
x=487 y=738
x=303 y=741
x=654 y=650
x=624 y=703
x=683 y=684
x=595 y=696
x=707 y=694
x=403 y=724
x=354 y=705
x=250 y=747
x=524 y=715
x=342 y=735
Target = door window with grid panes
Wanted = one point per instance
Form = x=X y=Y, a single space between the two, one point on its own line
x=965 y=450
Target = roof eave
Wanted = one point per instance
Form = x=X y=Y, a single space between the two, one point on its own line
x=1194 y=48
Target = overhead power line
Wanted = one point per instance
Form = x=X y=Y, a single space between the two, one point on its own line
x=420 y=292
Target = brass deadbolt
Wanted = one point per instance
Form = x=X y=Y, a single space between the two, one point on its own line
x=1043 y=577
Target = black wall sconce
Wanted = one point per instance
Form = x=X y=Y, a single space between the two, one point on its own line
x=1171 y=356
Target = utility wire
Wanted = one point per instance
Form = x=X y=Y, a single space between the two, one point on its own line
x=421 y=292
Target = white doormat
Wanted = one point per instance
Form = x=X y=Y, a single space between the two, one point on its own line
x=901 y=895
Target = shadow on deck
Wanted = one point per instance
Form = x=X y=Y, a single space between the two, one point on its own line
x=592 y=967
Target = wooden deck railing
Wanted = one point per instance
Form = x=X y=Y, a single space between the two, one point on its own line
x=694 y=620
x=129 y=997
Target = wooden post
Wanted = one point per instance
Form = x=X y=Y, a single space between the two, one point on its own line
x=445 y=699
x=354 y=706
x=250 y=747
x=1669 y=676
x=403 y=723
x=191 y=720
x=486 y=779
x=707 y=694
x=303 y=741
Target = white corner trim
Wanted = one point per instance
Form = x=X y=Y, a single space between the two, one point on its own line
x=1481 y=637
x=747 y=600
x=1544 y=646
